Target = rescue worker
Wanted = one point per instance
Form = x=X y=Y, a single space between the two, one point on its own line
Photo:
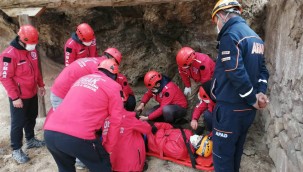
x=21 y=78
x=76 y=123
x=172 y=102
x=193 y=65
x=85 y=66
x=81 y=44
x=129 y=96
x=130 y=155
x=240 y=83
x=69 y=75
x=205 y=108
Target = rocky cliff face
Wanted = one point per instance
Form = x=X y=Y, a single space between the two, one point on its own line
x=149 y=36
x=284 y=52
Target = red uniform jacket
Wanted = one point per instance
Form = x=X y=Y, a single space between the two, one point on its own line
x=201 y=70
x=127 y=90
x=72 y=73
x=170 y=95
x=201 y=107
x=74 y=50
x=129 y=154
x=19 y=71
x=84 y=109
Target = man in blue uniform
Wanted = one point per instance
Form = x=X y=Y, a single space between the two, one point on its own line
x=239 y=85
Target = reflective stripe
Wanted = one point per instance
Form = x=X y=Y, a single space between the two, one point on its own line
x=262 y=80
x=246 y=94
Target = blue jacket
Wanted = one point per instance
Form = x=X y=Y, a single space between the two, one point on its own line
x=240 y=71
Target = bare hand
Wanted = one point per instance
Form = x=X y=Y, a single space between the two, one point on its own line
x=143 y=118
x=18 y=103
x=194 y=124
x=262 y=100
x=140 y=107
x=41 y=91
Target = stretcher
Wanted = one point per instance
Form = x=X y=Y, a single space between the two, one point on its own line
x=205 y=164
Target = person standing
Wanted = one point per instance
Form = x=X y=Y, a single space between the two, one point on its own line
x=73 y=129
x=21 y=78
x=81 y=44
x=239 y=85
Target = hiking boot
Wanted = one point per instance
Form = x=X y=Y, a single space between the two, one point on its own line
x=34 y=143
x=20 y=156
x=79 y=165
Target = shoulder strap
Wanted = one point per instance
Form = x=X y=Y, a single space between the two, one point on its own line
x=191 y=155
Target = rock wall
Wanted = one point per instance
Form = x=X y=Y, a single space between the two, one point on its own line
x=284 y=52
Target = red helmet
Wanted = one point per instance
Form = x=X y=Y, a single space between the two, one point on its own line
x=115 y=53
x=204 y=96
x=28 y=34
x=85 y=32
x=151 y=78
x=185 y=56
x=110 y=65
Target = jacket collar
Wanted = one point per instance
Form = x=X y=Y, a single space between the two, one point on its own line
x=76 y=38
x=15 y=44
x=229 y=23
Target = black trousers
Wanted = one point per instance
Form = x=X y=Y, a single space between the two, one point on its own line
x=170 y=113
x=23 y=118
x=130 y=104
x=65 y=148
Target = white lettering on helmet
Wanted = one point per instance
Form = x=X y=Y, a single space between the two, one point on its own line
x=220 y=134
x=257 y=48
x=5 y=68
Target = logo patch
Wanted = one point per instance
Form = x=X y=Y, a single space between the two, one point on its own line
x=34 y=55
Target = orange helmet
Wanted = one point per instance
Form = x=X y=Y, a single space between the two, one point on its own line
x=151 y=78
x=115 y=53
x=85 y=32
x=110 y=65
x=185 y=56
x=226 y=4
x=28 y=34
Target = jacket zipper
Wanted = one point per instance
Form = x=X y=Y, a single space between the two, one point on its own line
x=19 y=89
x=139 y=156
x=32 y=68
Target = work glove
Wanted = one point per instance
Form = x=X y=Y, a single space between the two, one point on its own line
x=187 y=90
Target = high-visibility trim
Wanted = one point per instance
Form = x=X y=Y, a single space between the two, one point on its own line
x=262 y=80
x=227 y=132
x=238 y=54
x=248 y=93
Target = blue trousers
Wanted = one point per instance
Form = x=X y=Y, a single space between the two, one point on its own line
x=230 y=125
x=23 y=118
x=130 y=104
x=65 y=148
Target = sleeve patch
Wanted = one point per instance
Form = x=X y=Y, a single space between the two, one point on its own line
x=202 y=67
x=225 y=52
x=225 y=59
x=166 y=94
x=7 y=59
x=69 y=49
